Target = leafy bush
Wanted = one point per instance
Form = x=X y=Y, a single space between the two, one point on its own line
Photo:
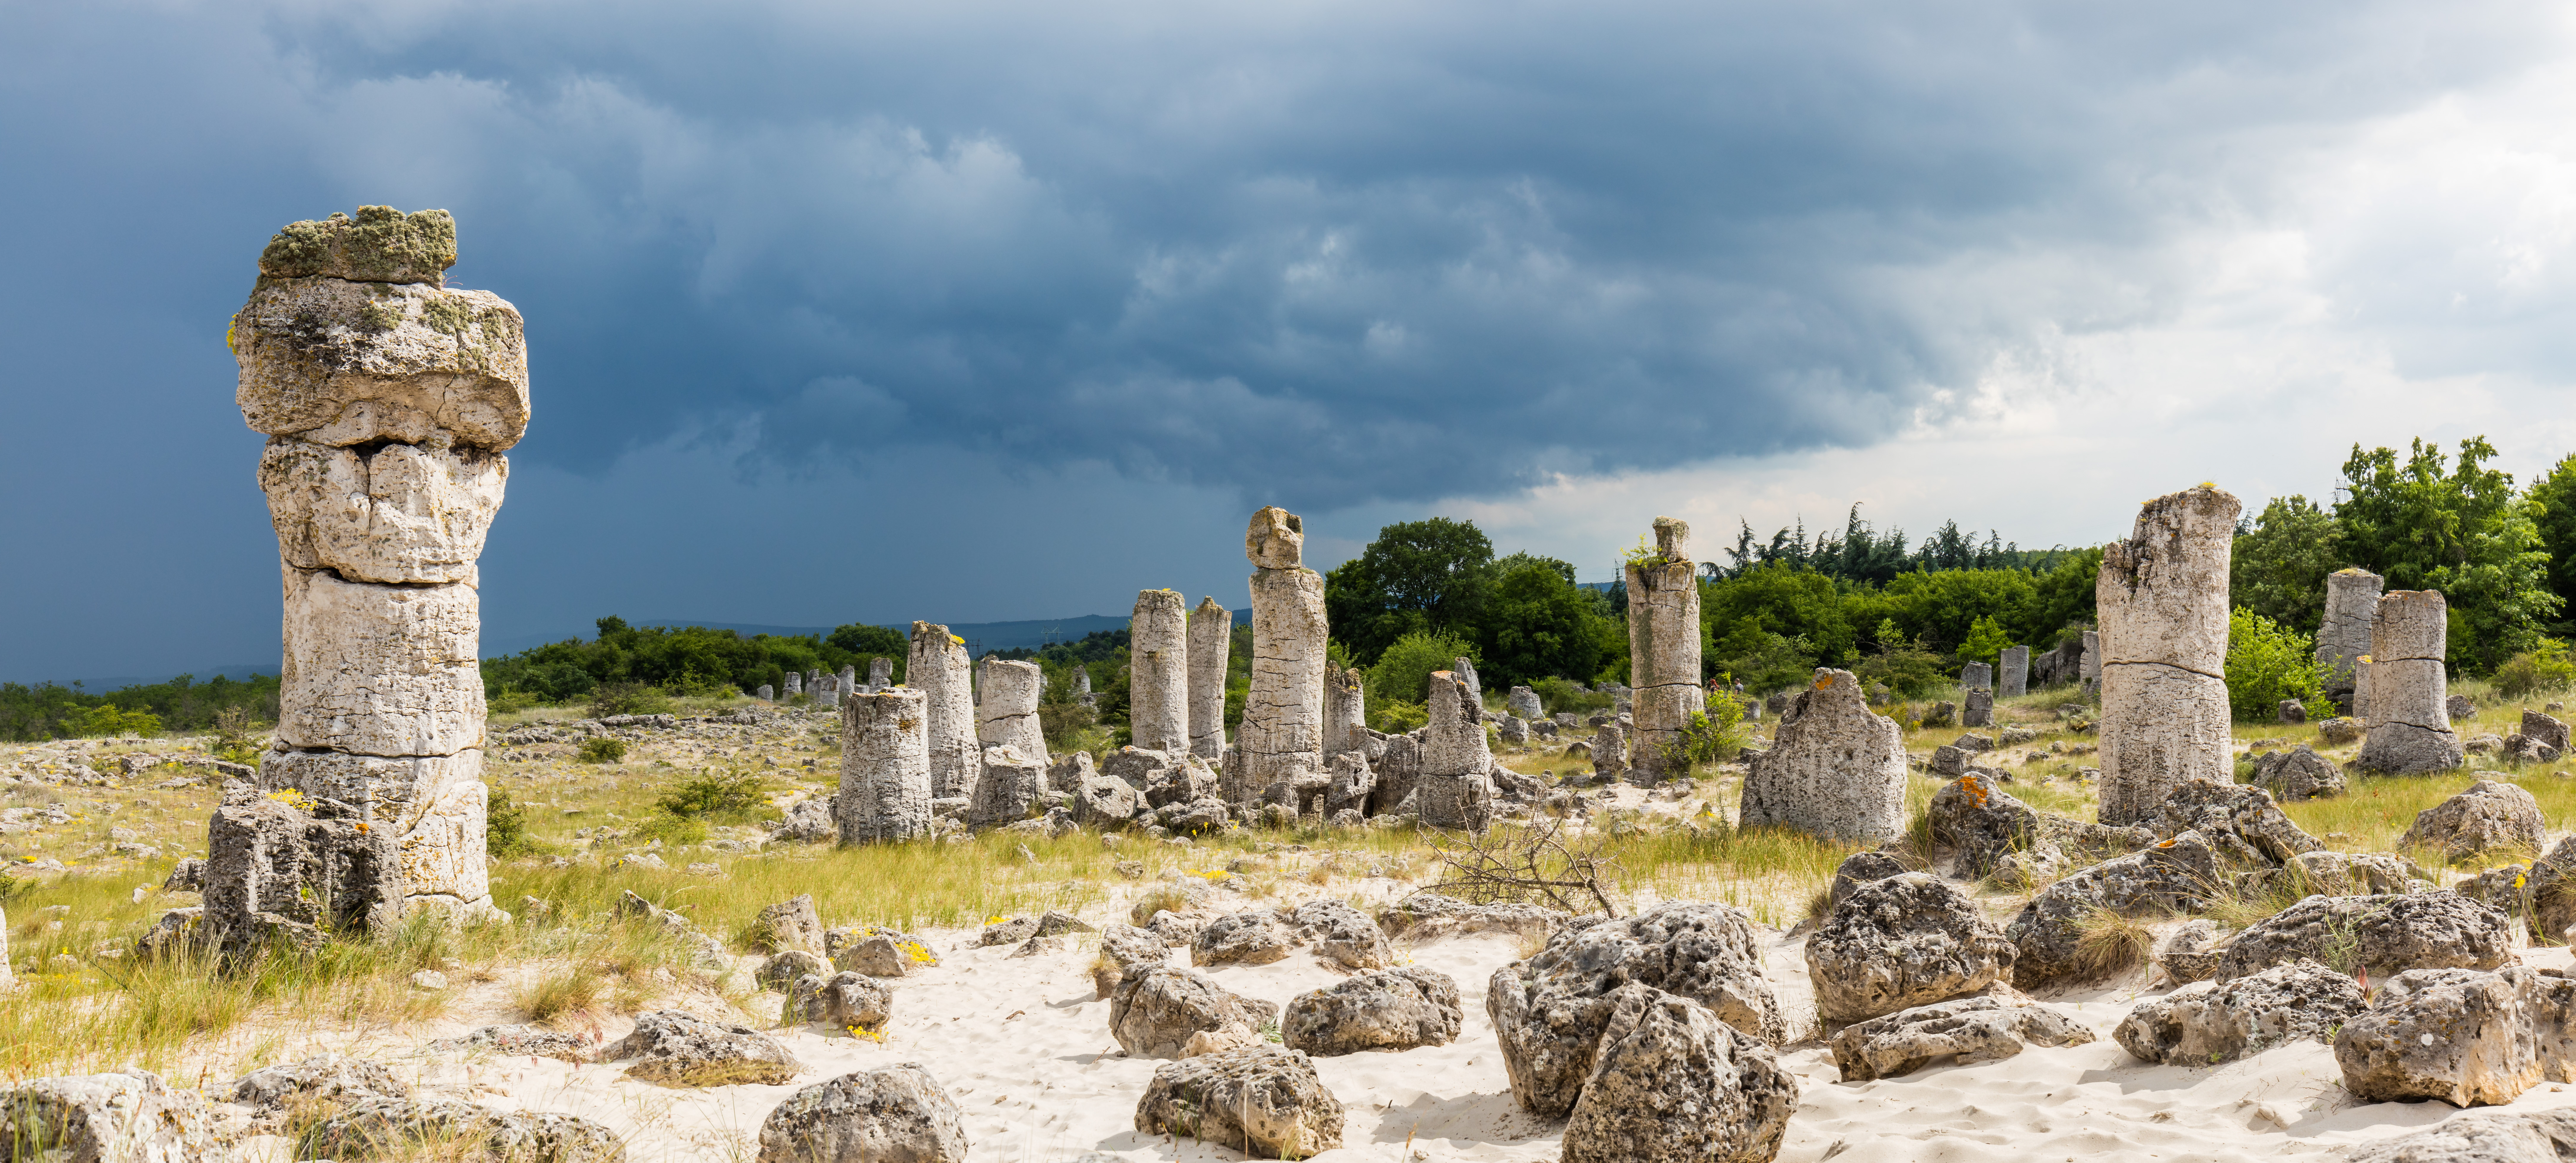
x=1403 y=673
x=106 y=721
x=1985 y=643
x=2531 y=672
x=1557 y=694
x=732 y=796
x=510 y=701
x=674 y=830
x=602 y=749
x=505 y=828
x=1904 y=664
x=232 y=737
x=1764 y=660
x=1060 y=722
x=1396 y=718
x=1713 y=735
x=2266 y=663
x=627 y=698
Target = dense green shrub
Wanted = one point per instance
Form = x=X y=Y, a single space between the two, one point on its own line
x=2266 y=663
x=728 y=796
x=1403 y=673
x=628 y=698
x=2543 y=668
x=602 y=749
x=505 y=827
x=1558 y=694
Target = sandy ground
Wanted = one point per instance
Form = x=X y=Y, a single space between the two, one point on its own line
x=1025 y=1049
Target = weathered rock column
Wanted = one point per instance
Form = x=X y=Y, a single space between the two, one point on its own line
x=1008 y=716
x=936 y=666
x=1977 y=676
x=2162 y=596
x=1345 y=708
x=389 y=399
x=1158 y=676
x=1211 y=647
x=1456 y=790
x=1663 y=644
x=1082 y=688
x=795 y=684
x=2343 y=639
x=766 y=693
x=2015 y=680
x=849 y=681
x=885 y=766
x=2092 y=664
x=880 y=674
x=1281 y=741
x=2410 y=717
x=1836 y=769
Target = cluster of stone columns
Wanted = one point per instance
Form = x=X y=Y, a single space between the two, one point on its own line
x=1281 y=742
x=1663 y=643
x=2162 y=601
x=389 y=400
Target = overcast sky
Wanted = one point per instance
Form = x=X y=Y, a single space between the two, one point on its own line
x=980 y=311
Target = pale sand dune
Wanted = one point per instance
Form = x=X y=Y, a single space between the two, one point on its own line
x=1026 y=1050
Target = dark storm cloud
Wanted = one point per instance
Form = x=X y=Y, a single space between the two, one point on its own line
x=1341 y=252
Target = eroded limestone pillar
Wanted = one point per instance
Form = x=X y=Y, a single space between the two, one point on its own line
x=1345 y=708
x=1663 y=644
x=2410 y=717
x=885 y=766
x=880 y=674
x=1456 y=788
x=1977 y=676
x=1158 y=676
x=2091 y=667
x=1836 y=769
x=936 y=666
x=795 y=683
x=2343 y=638
x=1211 y=647
x=389 y=400
x=2015 y=679
x=1008 y=716
x=2162 y=598
x=849 y=681
x=1281 y=740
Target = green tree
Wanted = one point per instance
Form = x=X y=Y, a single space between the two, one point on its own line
x=1428 y=576
x=2266 y=663
x=1985 y=643
x=2063 y=597
x=1403 y=672
x=2553 y=515
x=1788 y=603
x=2460 y=531
x=1539 y=624
x=866 y=643
x=2279 y=564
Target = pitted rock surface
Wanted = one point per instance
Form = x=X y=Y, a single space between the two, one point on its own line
x=899 y=1114
x=1673 y=1083
x=1969 y=1030
x=680 y=1049
x=1264 y=1100
x=2386 y=934
x=1153 y=1012
x=2205 y=1023
x=1902 y=942
x=2491 y=815
x=2466 y=1037
x=2178 y=875
x=2241 y=823
x=1390 y=1009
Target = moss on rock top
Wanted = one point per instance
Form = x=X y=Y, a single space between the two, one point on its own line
x=380 y=245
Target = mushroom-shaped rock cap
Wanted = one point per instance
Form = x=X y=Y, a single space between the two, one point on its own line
x=1276 y=540
x=1672 y=538
x=380 y=245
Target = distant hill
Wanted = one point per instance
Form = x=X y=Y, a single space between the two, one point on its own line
x=979 y=636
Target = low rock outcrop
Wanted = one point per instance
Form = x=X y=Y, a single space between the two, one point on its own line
x=848 y=1001
x=2205 y=1023
x=1970 y=1030
x=1262 y=1100
x=2385 y=934
x=130 y=1117
x=399 y=1128
x=2466 y=1037
x=681 y=1049
x=1902 y=942
x=1391 y=1009
x=1673 y=1083
x=899 y=1113
x=2176 y=875
x=2491 y=816
x=1153 y=1013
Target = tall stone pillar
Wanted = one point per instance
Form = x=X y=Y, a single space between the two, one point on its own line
x=2091 y=667
x=849 y=683
x=1663 y=649
x=2343 y=638
x=880 y=674
x=2410 y=717
x=1977 y=676
x=885 y=766
x=795 y=684
x=1008 y=716
x=1836 y=770
x=1281 y=741
x=1345 y=708
x=936 y=666
x=1158 y=675
x=2015 y=680
x=389 y=399
x=1211 y=648
x=2162 y=596
x=1456 y=788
